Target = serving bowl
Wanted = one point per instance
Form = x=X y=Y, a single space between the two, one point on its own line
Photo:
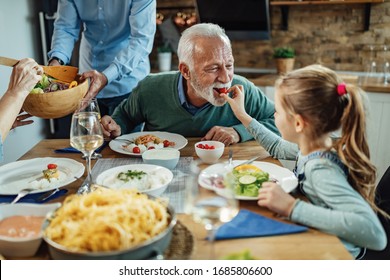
x=23 y=246
x=158 y=178
x=209 y=151
x=166 y=157
x=152 y=248
x=56 y=104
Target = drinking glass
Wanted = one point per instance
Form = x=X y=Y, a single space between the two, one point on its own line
x=86 y=136
x=212 y=208
x=90 y=105
x=386 y=65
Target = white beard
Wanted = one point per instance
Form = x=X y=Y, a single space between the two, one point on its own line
x=208 y=92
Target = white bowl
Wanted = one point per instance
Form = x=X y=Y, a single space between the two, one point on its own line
x=159 y=178
x=166 y=157
x=23 y=246
x=210 y=155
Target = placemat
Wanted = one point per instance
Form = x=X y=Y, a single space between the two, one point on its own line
x=175 y=192
x=182 y=243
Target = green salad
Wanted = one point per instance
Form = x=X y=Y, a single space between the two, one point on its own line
x=248 y=179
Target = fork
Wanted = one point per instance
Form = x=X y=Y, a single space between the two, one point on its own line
x=22 y=193
x=128 y=141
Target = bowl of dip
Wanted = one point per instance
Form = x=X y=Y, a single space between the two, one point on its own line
x=21 y=228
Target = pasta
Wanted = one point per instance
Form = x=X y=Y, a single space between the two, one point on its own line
x=107 y=220
x=144 y=139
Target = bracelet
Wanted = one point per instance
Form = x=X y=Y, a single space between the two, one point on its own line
x=59 y=60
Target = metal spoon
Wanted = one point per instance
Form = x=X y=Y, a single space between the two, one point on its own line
x=22 y=193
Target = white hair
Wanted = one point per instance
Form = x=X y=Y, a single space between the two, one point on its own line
x=186 y=45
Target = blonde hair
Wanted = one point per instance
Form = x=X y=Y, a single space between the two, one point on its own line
x=185 y=49
x=312 y=93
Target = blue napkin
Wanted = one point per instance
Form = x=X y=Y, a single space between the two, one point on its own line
x=249 y=224
x=73 y=150
x=32 y=198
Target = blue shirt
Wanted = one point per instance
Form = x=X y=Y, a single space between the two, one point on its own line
x=117 y=39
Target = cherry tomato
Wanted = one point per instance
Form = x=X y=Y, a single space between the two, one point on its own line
x=223 y=90
x=151 y=148
x=166 y=143
x=51 y=166
x=136 y=150
x=211 y=147
x=200 y=146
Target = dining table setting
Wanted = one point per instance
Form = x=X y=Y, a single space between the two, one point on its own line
x=248 y=232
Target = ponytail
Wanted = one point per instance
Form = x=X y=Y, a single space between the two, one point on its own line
x=353 y=148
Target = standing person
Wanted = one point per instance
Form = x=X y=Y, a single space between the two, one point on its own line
x=336 y=177
x=25 y=75
x=187 y=101
x=117 y=38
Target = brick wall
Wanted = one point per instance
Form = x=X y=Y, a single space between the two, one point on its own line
x=332 y=35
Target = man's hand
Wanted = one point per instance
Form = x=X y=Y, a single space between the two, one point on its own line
x=226 y=135
x=110 y=128
x=97 y=81
x=21 y=120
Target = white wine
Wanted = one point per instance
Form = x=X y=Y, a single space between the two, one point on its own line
x=86 y=143
x=86 y=119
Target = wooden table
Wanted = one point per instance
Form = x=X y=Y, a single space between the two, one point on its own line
x=311 y=244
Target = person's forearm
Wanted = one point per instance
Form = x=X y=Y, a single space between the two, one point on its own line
x=10 y=105
x=245 y=119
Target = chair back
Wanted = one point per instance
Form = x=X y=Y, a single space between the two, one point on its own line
x=383 y=201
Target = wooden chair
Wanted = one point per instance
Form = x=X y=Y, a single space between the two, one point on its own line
x=383 y=201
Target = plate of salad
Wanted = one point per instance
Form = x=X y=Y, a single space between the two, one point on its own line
x=247 y=178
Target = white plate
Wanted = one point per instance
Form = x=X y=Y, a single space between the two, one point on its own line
x=22 y=174
x=165 y=176
x=117 y=146
x=275 y=171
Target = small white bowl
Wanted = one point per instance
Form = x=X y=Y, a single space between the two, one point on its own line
x=166 y=157
x=209 y=155
x=23 y=246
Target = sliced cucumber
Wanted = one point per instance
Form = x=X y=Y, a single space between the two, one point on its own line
x=247 y=179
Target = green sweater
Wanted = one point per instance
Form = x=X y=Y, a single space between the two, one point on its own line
x=155 y=101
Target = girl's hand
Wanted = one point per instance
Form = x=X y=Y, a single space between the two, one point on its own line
x=237 y=103
x=272 y=196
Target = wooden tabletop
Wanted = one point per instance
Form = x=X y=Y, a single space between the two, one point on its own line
x=311 y=244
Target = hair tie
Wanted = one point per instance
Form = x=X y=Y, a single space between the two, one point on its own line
x=341 y=89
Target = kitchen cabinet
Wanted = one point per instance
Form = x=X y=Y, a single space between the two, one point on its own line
x=284 y=6
x=378 y=125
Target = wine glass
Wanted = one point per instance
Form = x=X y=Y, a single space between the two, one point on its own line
x=91 y=105
x=212 y=208
x=86 y=136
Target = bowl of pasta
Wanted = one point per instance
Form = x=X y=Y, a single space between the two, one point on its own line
x=110 y=225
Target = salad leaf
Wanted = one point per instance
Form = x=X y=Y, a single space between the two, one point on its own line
x=245 y=187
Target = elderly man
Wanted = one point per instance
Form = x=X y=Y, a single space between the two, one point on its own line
x=189 y=102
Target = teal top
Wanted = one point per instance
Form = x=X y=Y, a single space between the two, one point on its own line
x=334 y=207
x=155 y=101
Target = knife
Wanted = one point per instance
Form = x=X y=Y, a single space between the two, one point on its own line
x=248 y=161
x=47 y=195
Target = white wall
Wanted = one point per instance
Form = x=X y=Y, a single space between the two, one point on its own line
x=19 y=38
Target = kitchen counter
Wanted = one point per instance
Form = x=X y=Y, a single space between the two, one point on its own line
x=269 y=80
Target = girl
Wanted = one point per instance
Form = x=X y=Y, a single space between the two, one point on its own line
x=336 y=177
